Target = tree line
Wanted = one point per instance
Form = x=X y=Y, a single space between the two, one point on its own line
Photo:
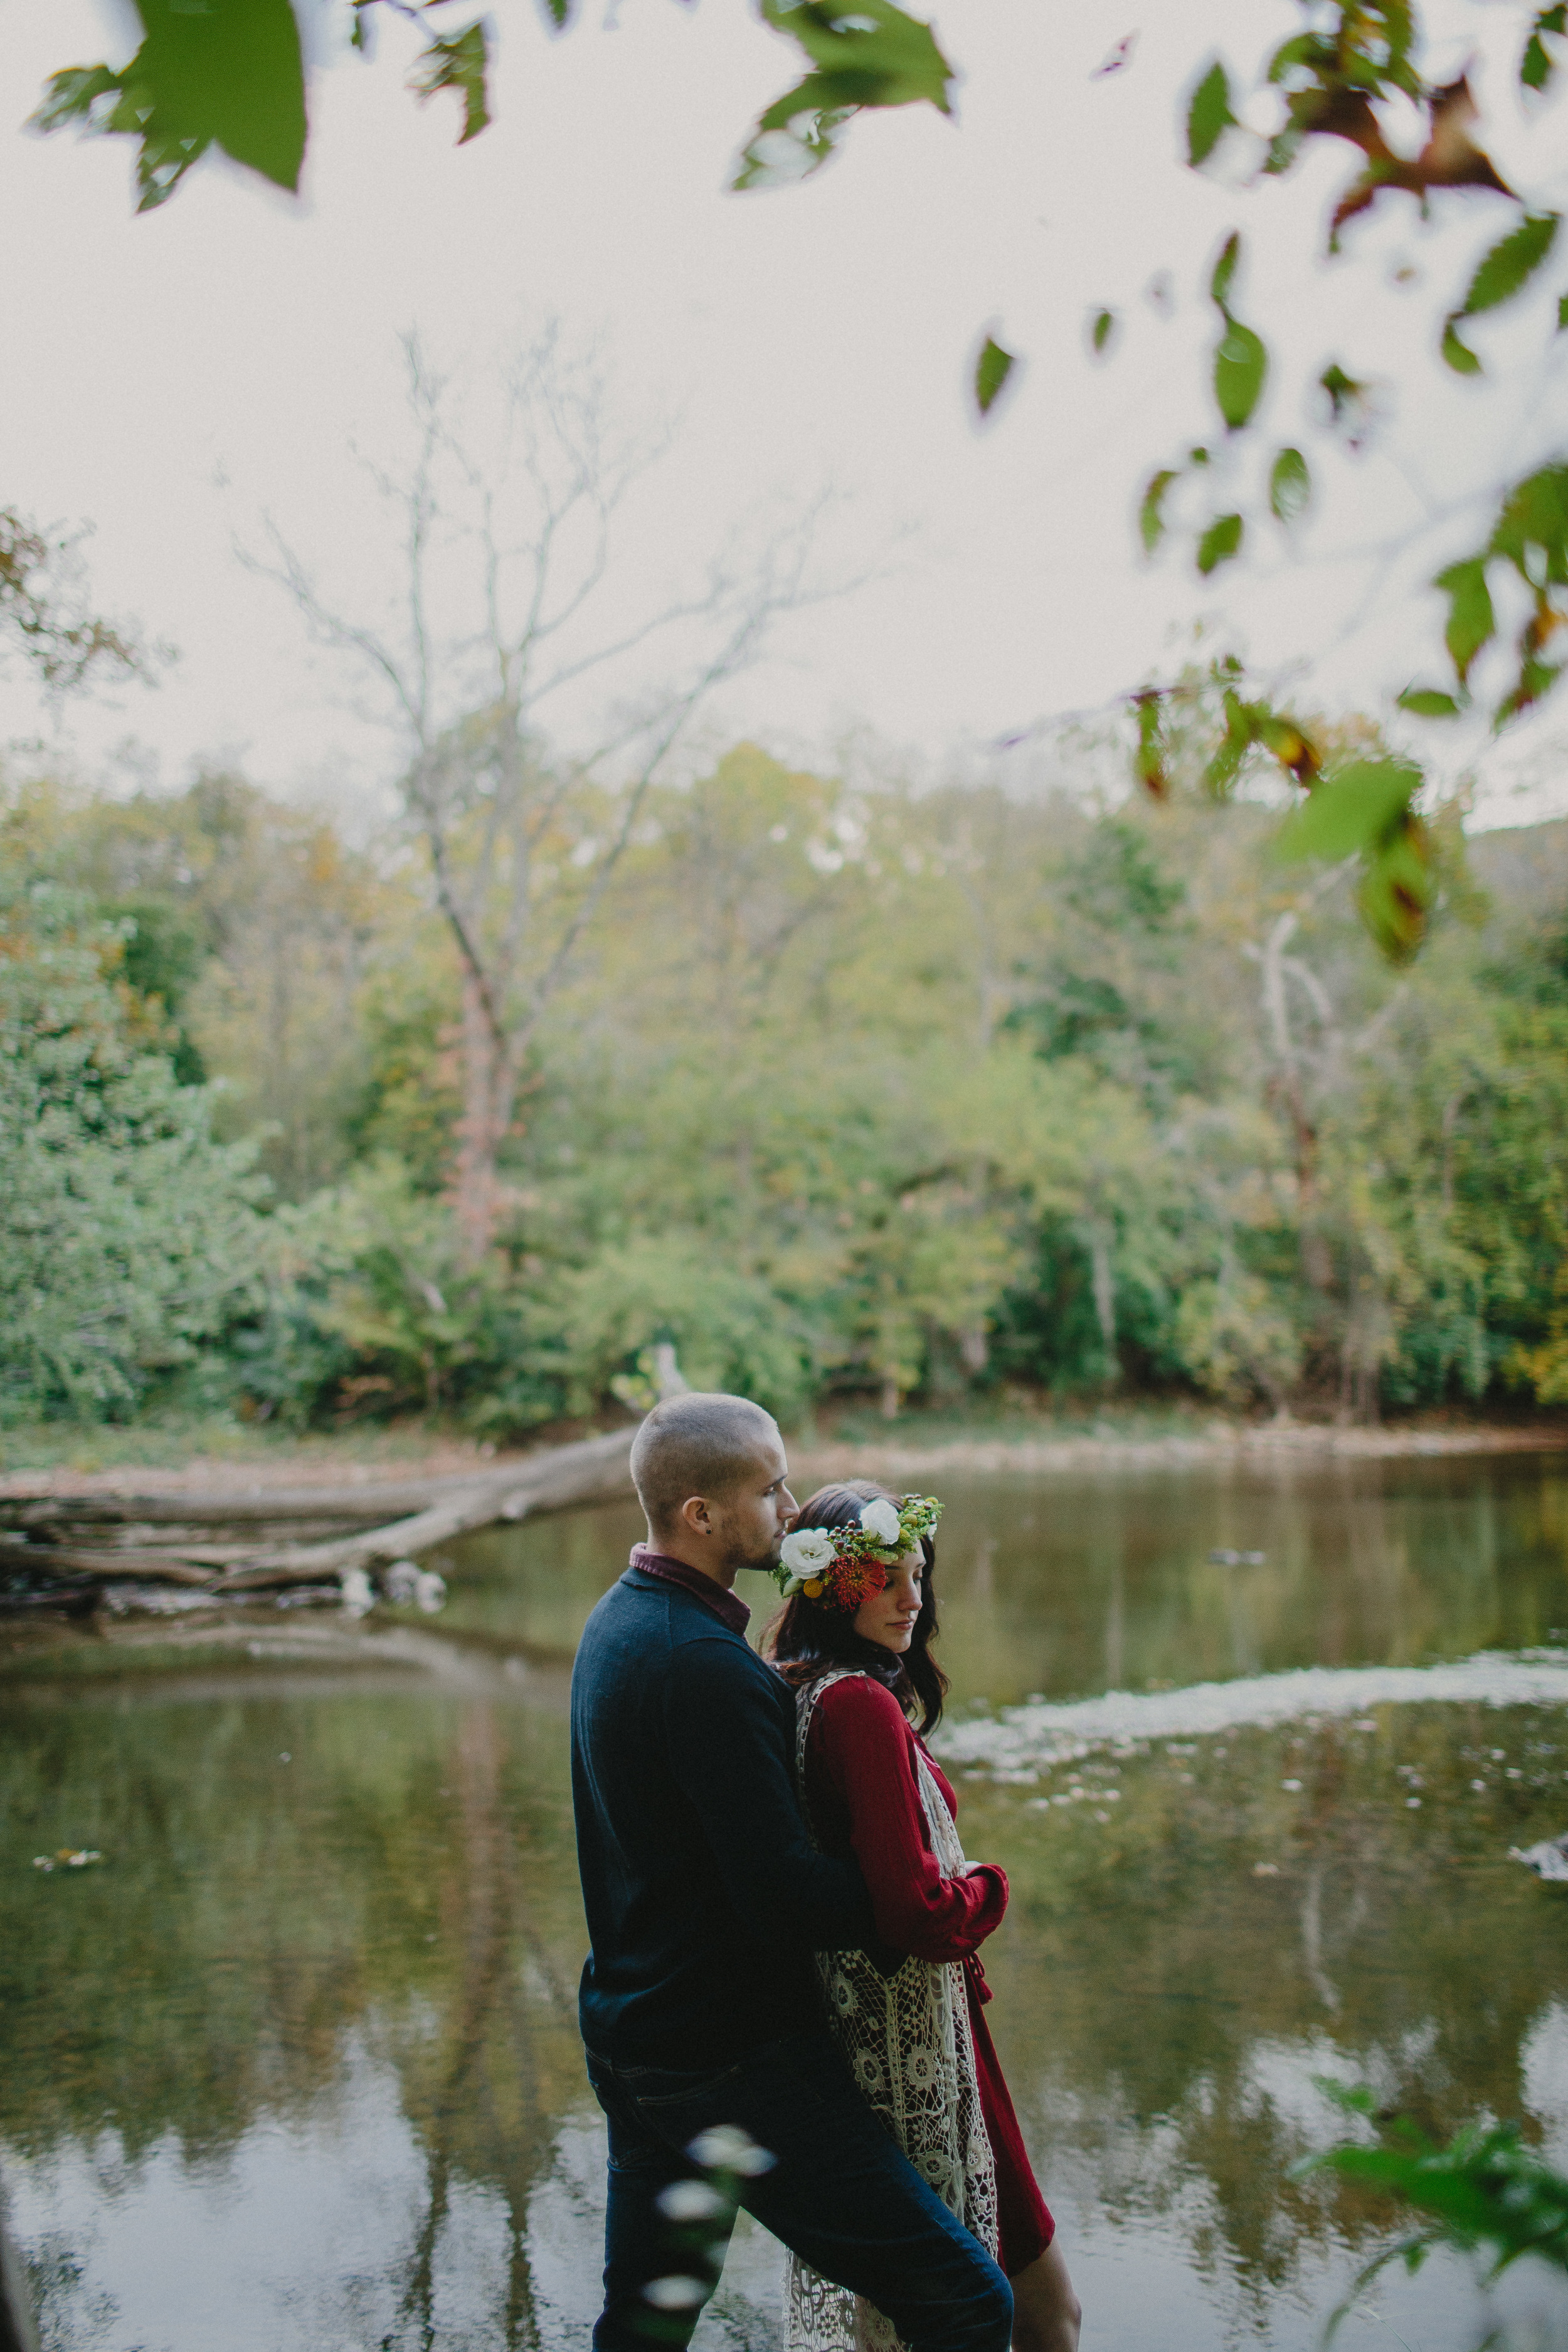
x=856 y=1086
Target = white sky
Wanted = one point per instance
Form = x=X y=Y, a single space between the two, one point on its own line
x=173 y=377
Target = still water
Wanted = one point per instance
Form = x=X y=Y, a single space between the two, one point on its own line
x=294 y=2068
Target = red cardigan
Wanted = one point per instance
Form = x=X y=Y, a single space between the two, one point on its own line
x=865 y=1800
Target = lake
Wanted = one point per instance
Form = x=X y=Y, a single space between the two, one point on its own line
x=294 y=2067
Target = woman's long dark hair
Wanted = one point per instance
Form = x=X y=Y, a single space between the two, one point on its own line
x=805 y=1641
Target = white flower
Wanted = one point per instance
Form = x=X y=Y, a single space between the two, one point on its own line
x=880 y=1521
x=807 y=1552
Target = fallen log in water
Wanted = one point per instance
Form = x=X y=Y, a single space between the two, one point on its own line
x=218 y=1506
x=409 y=1518
x=109 y=1565
x=597 y=1470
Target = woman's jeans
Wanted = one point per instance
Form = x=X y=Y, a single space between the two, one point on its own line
x=841 y=2193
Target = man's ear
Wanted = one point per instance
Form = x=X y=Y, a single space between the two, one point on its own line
x=696 y=1517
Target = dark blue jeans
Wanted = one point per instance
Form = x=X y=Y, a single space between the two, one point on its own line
x=842 y=2194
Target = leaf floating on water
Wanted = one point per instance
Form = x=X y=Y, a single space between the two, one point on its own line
x=67 y=1857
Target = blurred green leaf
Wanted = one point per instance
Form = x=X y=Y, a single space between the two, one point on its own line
x=229 y=74
x=1224 y=269
x=1537 y=65
x=992 y=370
x=71 y=97
x=1289 y=485
x=1104 y=327
x=1150 y=512
x=1149 y=760
x=1459 y=356
x=1220 y=543
x=1511 y=263
x=1209 y=116
x=1352 y=811
x=1428 y=702
x=869 y=53
x=1561 y=312
x=1240 y=366
x=1345 y=392
x=459 y=61
x=1484 y=2192
x=1395 y=894
x=1471 y=620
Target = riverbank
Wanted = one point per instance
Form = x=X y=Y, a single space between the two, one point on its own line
x=175 y=1459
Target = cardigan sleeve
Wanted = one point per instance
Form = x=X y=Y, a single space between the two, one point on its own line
x=862 y=1743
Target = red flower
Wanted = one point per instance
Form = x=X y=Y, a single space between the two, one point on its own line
x=853 y=1580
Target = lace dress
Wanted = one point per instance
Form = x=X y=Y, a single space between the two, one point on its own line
x=907 y=2038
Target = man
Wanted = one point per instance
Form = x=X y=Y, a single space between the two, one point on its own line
x=705 y=1899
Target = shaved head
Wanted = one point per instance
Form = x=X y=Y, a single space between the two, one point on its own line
x=696 y=1444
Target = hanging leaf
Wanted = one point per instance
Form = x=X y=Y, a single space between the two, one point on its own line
x=1150 y=513
x=1240 y=366
x=229 y=74
x=865 y=54
x=1209 y=116
x=1220 y=543
x=992 y=370
x=1289 y=485
x=1148 y=759
x=1459 y=356
x=1471 y=620
x=1511 y=263
x=1561 y=312
x=1355 y=809
x=1289 y=743
x=1428 y=702
x=1225 y=270
x=457 y=62
x=1240 y=734
x=1103 y=327
x=1537 y=65
x=1397 y=891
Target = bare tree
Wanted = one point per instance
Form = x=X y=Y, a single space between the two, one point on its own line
x=513 y=610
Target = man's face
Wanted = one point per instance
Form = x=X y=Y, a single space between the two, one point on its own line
x=754 y=1517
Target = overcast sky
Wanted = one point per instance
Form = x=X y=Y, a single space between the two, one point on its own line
x=176 y=377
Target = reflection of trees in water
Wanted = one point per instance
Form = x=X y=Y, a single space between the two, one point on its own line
x=1161 y=2011
x=481 y=2108
x=407 y=1873
x=1106 y=1581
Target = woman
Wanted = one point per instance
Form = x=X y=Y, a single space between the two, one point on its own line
x=854 y=1637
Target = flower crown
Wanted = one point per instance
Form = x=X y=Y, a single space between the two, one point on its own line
x=838 y=1568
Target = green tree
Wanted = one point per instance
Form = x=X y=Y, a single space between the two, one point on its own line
x=127 y=1233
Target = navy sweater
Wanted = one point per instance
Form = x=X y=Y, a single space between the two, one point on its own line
x=704 y=1895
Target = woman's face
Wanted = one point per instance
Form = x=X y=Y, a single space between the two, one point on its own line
x=889 y=1617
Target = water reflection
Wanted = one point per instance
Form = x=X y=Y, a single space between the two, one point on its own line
x=297 y=2066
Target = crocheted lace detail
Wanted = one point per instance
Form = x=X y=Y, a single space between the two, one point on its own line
x=909 y=2047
